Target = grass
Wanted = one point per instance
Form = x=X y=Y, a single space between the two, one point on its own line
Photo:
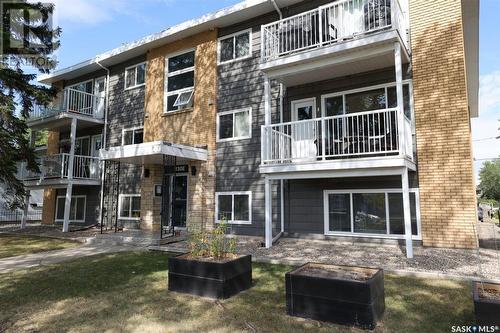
x=16 y=245
x=127 y=292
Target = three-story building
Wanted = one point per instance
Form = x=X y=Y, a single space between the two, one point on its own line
x=319 y=119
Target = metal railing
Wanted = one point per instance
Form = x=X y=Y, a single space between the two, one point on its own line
x=362 y=134
x=16 y=215
x=330 y=23
x=73 y=101
x=56 y=166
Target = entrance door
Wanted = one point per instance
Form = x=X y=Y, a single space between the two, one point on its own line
x=304 y=129
x=99 y=95
x=177 y=191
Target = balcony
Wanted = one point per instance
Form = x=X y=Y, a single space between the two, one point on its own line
x=86 y=107
x=353 y=141
x=54 y=171
x=355 y=31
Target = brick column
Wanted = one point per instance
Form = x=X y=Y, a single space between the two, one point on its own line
x=447 y=186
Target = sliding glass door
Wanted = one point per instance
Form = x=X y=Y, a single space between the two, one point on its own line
x=369 y=212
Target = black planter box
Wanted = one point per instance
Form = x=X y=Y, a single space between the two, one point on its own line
x=487 y=310
x=336 y=299
x=209 y=278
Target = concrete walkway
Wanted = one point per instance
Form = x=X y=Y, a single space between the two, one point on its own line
x=53 y=257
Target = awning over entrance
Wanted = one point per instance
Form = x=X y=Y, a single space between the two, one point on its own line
x=152 y=153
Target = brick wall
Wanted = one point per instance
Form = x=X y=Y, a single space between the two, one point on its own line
x=49 y=194
x=447 y=189
x=194 y=126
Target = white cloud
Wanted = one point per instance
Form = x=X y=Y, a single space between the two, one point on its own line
x=489 y=91
x=93 y=12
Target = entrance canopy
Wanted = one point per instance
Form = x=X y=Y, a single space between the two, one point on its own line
x=152 y=153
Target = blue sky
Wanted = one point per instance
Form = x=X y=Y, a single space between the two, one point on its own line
x=91 y=27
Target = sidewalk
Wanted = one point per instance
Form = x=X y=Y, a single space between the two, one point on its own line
x=53 y=257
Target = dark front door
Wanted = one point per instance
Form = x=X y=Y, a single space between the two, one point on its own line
x=175 y=205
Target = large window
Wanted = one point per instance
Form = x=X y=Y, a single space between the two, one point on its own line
x=133 y=136
x=130 y=206
x=179 y=81
x=233 y=125
x=369 y=99
x=369 y=212
x=234 y=207
x=235 y=47
x=76 y=211
x=135 y=76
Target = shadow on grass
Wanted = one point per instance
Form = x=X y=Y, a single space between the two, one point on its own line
x=128 y=292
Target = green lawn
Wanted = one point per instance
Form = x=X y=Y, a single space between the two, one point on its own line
x=127 y=292
x=16 y=245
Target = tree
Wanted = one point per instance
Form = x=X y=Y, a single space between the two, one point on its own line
x=489 y=176
x=19 y=93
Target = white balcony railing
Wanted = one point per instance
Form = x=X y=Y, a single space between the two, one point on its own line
x=329 y=24
x=73 y=101
x=363 y=134
x=56 y=166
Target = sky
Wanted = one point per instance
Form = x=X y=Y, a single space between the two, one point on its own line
x=91 y=27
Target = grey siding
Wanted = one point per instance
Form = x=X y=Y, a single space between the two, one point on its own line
x=240 y=85
x=92 y=194
x=304 y=199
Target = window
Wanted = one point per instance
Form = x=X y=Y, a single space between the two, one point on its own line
x=76 y=211
x=130 y=206
x=234 y=207
x=135 y=76
x=369 y=212
x=133 y=136
x=366 y=99
x=233 y=125
x=179 y=81
x=235 y=47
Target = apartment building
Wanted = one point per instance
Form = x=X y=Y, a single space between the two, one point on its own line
x=318 y=119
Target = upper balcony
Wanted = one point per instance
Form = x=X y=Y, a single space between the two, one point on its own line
x=362 y=140
x=357 y=32
x=54 y=171
x=86 y=107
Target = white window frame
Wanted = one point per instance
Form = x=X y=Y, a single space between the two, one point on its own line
x=73 y=196
x=128 y=218
x=234 y=112
x=326 y=216
x=83 y=82
x=384 y=86
x=249 y=193
x=233 y=35
x=135 y=85
x=166 y=93
x=133 y=129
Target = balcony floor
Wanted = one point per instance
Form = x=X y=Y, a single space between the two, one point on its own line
x=62 y=120
x=59 y=183
x=349 y=167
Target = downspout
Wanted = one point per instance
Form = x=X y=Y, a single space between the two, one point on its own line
x=104 y=135
x=277 y=9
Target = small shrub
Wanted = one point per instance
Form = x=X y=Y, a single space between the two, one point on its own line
x=212 y=244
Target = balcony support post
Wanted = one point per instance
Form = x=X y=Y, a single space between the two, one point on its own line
x=268 y=212
x=24 y=217
x=406 y=212
x=399 y=95
x=69 y=188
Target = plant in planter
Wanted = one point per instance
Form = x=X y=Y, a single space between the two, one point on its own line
x=339 y=294
x=486 y=303
x=211 y=268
